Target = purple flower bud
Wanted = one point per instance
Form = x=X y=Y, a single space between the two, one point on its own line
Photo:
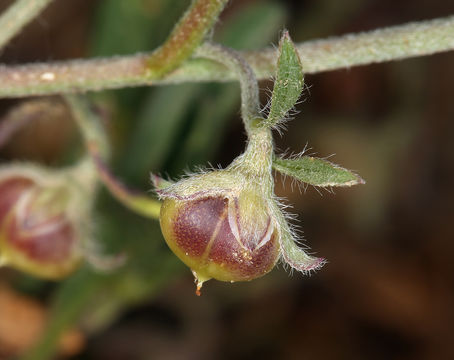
x=228 y=225
x=221 y=227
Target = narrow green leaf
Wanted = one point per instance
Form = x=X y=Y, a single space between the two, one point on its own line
x=317 y=172
x=288 y=84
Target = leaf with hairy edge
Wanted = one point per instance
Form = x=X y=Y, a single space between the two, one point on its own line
x=288 y=84
x=317 y=172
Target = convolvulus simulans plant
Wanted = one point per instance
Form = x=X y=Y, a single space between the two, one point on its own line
x=225 y=224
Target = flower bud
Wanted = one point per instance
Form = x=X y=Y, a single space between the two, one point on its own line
x=40 y=218
x=221 y=225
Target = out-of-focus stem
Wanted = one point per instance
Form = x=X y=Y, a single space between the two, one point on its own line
x=24 y=113
x=393 y=43
x=89 y=125
x=17 y=16
x=134 y=200
x=97 y=146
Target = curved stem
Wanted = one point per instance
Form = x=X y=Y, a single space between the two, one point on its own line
x=393 y=43
x=257 y=159
x=133 y=200
x=17 y=16
x=89 y=125
x=250 y=103
x=24 y=113
x=98 y=148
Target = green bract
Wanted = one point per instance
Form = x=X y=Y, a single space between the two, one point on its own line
x=288 y=83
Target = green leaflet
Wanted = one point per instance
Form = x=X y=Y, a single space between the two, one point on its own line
x=288 y=84
x=316 y=172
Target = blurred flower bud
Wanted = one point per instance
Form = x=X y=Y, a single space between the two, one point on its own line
x=41 y=215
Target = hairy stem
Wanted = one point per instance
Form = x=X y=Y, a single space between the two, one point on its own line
x=392 y=43
x=257 y=158
x=250 y=103
x=115 y=72
x=185 y=37
x=399 y=42
x=17 y=16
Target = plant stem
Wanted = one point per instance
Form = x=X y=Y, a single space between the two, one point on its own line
x=97 y=146
x=134 y=200
x=89 y=125
x=250 y=103
x=399 y=42
x=391 y=43
x=257 y=159
x=184 y=38
x=17 y=16
x=189 y=32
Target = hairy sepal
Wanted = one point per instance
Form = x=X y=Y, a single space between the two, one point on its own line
x=292 y=253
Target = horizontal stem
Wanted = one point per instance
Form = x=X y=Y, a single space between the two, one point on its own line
x=17 y=16
x=393 y=43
